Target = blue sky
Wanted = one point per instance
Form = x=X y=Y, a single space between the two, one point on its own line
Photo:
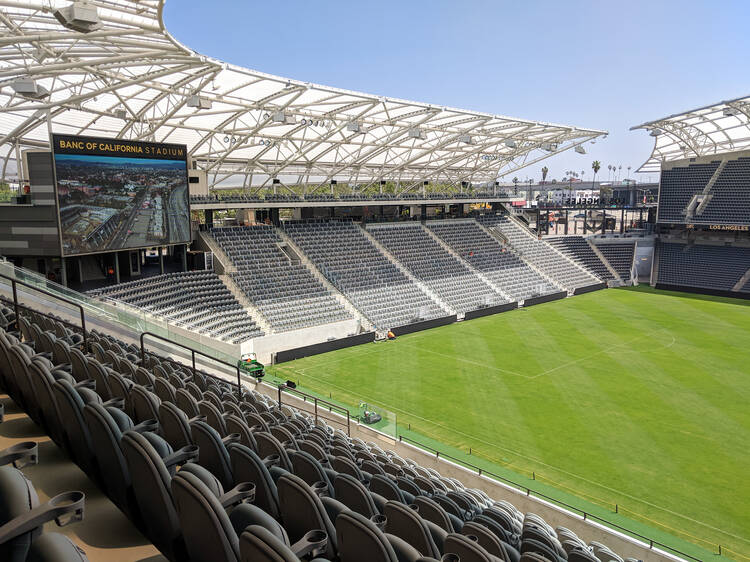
x=600 y=64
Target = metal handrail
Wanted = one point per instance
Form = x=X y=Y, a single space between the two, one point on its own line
x=192 y=356
x=317 y=401
x=14 y=285
x=586 y=515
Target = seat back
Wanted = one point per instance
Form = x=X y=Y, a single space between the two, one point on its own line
x=186 y=402
x=209 y=535
x=174 y=425
x=302 y=511
x=212 y=453
x=106 y=426
x=144 y=404
x=310 y=470
x=268 y=445
x=151 y=479
x=360 y=540
x=405 y=522
x=247 y=466
x=353 y=494
x=431 y=510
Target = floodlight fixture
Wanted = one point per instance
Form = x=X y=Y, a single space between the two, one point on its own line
x=79 y=16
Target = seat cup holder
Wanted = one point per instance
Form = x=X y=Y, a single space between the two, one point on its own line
x=320 y=488
x=312 y=543
x=450 y=557
x=414 y=506
x=380 y=521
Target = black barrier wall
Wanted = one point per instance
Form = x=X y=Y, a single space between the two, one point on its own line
x=702 y=291
x=589 y=288
x=425 y=325
x=545 y=298
x=478 y=313
x=305 y=351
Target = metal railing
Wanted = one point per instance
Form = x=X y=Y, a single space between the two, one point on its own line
x=317 y=403
x=17 y=306
x=193 y=353
x=530 y=492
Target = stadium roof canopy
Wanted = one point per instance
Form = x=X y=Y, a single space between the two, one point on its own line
x=110 y=68
x=712 y=129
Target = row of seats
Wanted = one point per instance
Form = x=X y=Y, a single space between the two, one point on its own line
x=286 y=293
x=730 y=195
x=537 y=252
x=677 y=187
x=620 y=256
x=499 y=264
x=448 y=277
x=357 y=268
x=211 y=471
x=195 y=300
x=702 y=266
x=579 y=250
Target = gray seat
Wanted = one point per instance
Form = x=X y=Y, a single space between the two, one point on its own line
x=467 y=550
x=247 y=466
x=152 y=463
x=302 y=511
x=405 y=522
x=212 y=535
x=212 y=452
x=353 y=494
x=175 y=425
x=360 y=540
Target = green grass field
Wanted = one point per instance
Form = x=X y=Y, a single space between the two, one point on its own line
x=633 y=397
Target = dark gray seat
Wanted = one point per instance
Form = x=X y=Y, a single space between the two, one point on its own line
x=302 y=511
x=247 y=466
x=212 y=535
x=405 y=522
x=360 y=540
x=152 y=463
x=212 y=452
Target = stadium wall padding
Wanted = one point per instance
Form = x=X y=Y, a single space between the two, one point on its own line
x=424 y=325
x=545 y=298
x=314 y=349
x=702 y=291
x=589 y=288
x=478 y=313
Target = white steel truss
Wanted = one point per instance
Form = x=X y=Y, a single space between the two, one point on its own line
x=129 y=78
x=712 y=129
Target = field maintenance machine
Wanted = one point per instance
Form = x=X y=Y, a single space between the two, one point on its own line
x=249 y=364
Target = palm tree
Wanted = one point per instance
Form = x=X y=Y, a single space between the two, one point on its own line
x=545 y=171
x=596 y=166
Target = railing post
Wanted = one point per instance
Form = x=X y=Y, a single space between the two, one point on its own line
x=281 y=387
x=192 y=355
x=15 y=302
x=83 y=327
x=143 y=350
x=348 y=428
x=239 y=383
x=315 y=405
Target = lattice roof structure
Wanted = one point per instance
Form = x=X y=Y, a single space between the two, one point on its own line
x=110 y=68
x=712 y=129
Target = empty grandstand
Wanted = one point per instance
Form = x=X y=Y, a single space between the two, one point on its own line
x=352 y=263
x=713 y=268
x=197 y=301
x=499 y=264
x=620 y=256
x=284 y=290
x=580 y=251
x=540 y=254
x=449 y=277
